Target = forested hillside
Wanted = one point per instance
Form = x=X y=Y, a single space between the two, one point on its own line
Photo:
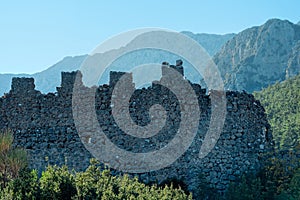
x=282 y=104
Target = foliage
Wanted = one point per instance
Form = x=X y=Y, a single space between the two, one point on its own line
x=278 y=172
x=57 y=183
x=94 y=183
x=282 y=104
x=279 y=179
x=294 y=188
x=175 y=183
x=12 y=160
x=205 y=190
x=248 y=188
x=26 y=186
x=293 y=191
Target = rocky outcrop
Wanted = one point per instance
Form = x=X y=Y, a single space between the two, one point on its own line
x=212 y=43
x=260 y=56
x=293 y=65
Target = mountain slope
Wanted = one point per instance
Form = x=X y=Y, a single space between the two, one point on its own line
x=260 y=56
x=251 y=60
x=212 y=43
x=47 y=80
x=282 y=104
x=50 y=78
x=5 y=80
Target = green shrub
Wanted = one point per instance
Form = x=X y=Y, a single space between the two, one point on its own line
x=293 y=192
x=205 y=190
x=295 y=185
x=7 y=192
x=26 y=186
x=277 y=174
x=175 y=183
x=57 y=183
x=248 y=188
x=86 y=182
x=279 y=179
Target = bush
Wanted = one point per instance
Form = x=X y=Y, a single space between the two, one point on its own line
x=94 y=183
x=205 y=191
x=12 y=160
x=293 y=192
x=57 y=183
x=86 y=181
x=279 y=179
x=7 y=193
x=248 y=188
x=295 y=185
x=26 y=186
x=278 y=173
x=175 y=183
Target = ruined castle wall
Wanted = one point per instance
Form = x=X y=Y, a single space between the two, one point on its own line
x=43 y=124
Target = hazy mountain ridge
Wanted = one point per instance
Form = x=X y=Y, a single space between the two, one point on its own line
x=5 y=80
x=260 y=56
x=250 y=60
x=212 y=43
x=50 y=78
x=47 y=80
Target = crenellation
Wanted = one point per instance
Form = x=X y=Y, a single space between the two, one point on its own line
x=43 y=124
x=114 y=77
x=165 y=68
x=22 y=85
x=68 y=79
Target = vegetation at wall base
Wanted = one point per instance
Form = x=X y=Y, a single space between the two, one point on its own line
x=62 y=184
x=275 y=181
x=12 y=160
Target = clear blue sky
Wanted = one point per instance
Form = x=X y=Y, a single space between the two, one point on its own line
x=37 y=34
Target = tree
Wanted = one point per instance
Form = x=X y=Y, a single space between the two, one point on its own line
x=282 y=104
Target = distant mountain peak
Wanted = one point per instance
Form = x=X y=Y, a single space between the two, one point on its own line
x=276 y=20
x=260 y=56
x=250 y=60
x=49 y=79
x=212 y=43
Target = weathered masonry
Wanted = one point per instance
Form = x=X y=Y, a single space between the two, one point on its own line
x=43 y=124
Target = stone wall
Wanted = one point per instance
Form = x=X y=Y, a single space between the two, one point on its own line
x=43 y=124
